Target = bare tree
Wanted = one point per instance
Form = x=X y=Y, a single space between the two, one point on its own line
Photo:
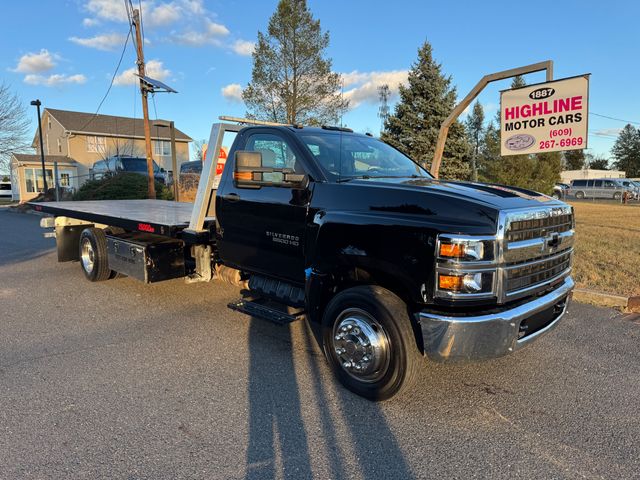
x=198 y=149
x=14 y=126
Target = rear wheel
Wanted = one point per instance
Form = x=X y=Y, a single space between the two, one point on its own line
x=617 y=196
x=93 y=255
x=369 y=343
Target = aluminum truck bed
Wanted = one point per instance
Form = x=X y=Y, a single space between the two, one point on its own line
x=161 y=217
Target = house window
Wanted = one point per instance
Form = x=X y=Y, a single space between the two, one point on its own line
x=96 y=144
x=33 y=179
x=162 y=148
x=59 y=146
x=65 y=179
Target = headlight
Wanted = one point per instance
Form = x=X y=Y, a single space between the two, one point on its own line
x=465 y=267
x=466 y=283
x=465 y=249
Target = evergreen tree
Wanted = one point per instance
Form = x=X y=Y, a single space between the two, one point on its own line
x=292 y=81
x=599 y=163
x=574 y=159
x=424 y=104
x=626 y=151
x=475 y=130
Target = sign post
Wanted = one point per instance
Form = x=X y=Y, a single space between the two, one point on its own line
x=546 y=117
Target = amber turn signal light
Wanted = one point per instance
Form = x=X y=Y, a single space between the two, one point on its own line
x=452 y=250
x=450 y=282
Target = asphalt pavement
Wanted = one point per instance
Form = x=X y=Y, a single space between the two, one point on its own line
x=124 y=380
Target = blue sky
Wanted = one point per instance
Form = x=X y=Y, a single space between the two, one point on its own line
x=66 y=55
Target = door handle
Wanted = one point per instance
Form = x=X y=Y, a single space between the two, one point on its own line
x=231 y=197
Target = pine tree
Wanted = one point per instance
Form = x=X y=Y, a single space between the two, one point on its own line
x=574 y=159
x=599 y=162
x=626 y=151
x=292 y=81
x=475 y=130
x=424 y=104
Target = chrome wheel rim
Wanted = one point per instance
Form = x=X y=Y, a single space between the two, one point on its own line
x=87 y=255
x=361 y=345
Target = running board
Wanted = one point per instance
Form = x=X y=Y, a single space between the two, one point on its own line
x=266 y=310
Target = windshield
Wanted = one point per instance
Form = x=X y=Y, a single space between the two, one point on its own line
x=137 y=165
x=350 y=156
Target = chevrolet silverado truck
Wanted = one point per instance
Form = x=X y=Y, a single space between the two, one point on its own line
x=388 y=264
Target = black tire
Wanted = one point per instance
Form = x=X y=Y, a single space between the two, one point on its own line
x=398 y=365
x=617 y=196
x=579 y=195
x=93 y=255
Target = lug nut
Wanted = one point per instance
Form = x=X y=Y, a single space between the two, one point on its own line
x=347 y=365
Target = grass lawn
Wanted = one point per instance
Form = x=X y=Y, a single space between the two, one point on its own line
x=607 y=249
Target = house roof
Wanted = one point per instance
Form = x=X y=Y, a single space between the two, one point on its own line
x=81 y=122
x=28 y=158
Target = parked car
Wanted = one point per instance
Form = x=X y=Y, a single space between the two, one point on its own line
x=560 y=190
x=598 y=188
x=191 y=167
x=125 y=163
x=5 y=190
x=632 y=187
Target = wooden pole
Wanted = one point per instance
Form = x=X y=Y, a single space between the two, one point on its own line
x=444 y=128
x=145 y=107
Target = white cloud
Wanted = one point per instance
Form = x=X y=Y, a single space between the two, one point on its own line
x=243 y=47
x=608 y=132
x=35 y=62
x=90 y=22
x=106 y=41
x=154 y=69
x=211 y=35
x=216 y=29
x=54 y=80
x=365 y=85
x=163 y=14
x=232 y=92
x=111 y=10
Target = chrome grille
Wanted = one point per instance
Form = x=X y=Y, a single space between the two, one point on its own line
x=519 y=277
x=537 y=249
x=539 y=227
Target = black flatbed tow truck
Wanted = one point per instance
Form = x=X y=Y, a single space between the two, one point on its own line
x=388 y=264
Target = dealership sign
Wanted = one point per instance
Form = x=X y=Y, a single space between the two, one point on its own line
x=547 y=117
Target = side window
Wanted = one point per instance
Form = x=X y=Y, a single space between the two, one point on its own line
x=99 y=166
x=275 y=151
x=609 y=184
x=579 y=183
x=589 y=183
x=111 y=164
x=597 y=184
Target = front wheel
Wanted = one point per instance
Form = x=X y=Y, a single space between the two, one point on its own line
x=617 y=196
x=579 y=195
x=369 y=342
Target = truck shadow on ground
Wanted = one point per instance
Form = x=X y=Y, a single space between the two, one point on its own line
x=279 y=444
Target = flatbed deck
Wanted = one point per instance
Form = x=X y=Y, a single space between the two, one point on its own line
x=161 y=217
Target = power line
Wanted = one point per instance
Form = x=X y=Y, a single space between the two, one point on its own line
x=113 y=77
x=614 y=118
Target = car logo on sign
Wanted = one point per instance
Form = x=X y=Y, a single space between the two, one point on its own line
x=518 y=142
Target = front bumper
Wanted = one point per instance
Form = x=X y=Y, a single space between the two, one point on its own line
x=449 y=338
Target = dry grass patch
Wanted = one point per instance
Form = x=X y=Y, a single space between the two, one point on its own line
x=607 y=250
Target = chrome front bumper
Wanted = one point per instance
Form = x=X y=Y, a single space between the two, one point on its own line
x=455 y=338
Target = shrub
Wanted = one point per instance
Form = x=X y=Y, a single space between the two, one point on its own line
x=123 y=186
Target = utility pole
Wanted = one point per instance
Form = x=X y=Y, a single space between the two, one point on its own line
x=37 y=103
x=145 y=105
